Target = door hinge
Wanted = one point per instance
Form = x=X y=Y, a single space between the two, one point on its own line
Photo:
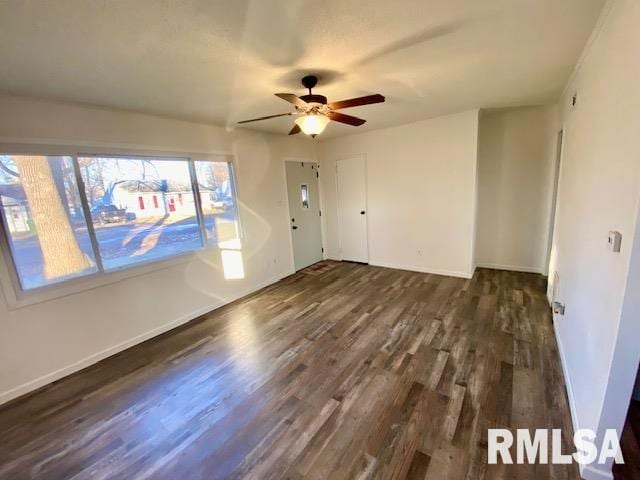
x=322 y=249
x=317 y=175
x=320 y=212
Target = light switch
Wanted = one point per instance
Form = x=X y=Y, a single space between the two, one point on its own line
x=614 y=241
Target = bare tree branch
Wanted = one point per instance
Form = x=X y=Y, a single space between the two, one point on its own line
x=6 y=169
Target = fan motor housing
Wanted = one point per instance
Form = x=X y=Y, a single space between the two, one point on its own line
x=312 y=98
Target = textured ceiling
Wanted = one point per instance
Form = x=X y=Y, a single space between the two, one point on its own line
x=221 y=61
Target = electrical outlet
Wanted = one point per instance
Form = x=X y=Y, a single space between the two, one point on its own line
x=558 y=308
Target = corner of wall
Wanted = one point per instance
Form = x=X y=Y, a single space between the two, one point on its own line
x=474 y=236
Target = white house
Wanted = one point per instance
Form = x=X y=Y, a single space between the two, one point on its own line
x=16 y=214
x=149 y=199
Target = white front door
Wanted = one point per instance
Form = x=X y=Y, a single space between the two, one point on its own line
x=352 y=209
x=304 y=211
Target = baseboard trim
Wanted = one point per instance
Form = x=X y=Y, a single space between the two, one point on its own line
x=588 y=472
x=567 y=380
x=513 y=268
x=413 y=268
x=44 y=380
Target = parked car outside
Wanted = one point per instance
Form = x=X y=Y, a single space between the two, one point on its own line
x=108 y=214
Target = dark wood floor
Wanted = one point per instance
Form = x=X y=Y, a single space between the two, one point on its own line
x=630 y=445
x=352 y=372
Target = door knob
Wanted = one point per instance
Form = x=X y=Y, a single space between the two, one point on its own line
x=362 y=212
x=294 y=227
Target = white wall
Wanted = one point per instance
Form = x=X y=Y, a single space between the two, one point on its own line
x=516 y=160
x=421 y=193
x=42 y=342
x=599 y=191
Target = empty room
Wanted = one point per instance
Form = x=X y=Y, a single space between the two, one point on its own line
x=284 y=239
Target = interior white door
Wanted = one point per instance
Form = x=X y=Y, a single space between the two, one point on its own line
x=352 y=209
x=304 y=211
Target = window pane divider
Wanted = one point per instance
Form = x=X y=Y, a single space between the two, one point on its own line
x=234 y=195
x=195 y=188
x=87 y=213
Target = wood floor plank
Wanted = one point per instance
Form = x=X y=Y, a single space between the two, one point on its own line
x=354 y=372
x=419 y=466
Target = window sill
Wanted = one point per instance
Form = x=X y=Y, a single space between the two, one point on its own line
x=17 y=299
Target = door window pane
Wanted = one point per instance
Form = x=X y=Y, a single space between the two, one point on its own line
x=44 y=220
x=215 y=182
x=304 y=189
x=142 y=209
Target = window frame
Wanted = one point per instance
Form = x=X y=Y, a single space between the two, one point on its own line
x=18 y=297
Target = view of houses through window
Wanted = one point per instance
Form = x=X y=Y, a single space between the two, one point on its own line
x=131 y=210
x=215 y=184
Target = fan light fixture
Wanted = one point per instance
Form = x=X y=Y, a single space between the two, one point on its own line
x=312 y=124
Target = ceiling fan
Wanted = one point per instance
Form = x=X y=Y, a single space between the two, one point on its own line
x=315 y=113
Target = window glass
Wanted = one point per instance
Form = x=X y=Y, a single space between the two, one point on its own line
x=304 y=189
x=44 y=220
x=131 y=210
x=142 y=209
x=215 y=182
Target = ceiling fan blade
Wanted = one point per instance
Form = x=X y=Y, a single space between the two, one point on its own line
x=267 y=117
x=291 y=98
x=348 y=119
x=356 y=102
x=295 y=129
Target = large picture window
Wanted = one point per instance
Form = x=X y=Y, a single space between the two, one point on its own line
x=69 y=216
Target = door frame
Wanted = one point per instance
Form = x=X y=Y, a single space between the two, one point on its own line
x=555 y=186
x=366 y=202
x=288 y=210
